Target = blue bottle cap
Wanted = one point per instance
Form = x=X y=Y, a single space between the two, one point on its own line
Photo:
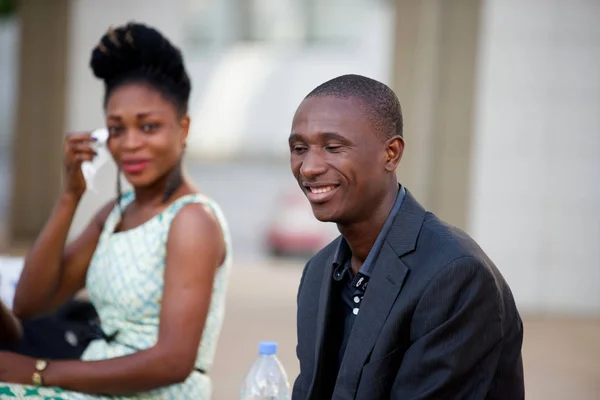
x=267 y=348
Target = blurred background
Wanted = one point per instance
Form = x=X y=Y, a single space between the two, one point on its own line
x=501 y=100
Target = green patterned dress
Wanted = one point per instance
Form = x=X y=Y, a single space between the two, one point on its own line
x=125 y=283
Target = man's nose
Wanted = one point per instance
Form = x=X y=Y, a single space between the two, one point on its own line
x=313 y=164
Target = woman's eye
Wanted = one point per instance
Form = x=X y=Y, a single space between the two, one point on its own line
x=149 y=127
x=114 y=130
x=298 y=149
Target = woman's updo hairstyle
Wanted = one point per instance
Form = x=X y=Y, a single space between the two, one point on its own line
x=136 y=53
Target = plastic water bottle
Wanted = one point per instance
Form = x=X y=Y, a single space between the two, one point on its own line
x=267 y=379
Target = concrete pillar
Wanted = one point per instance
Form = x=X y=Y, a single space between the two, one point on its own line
x=40 y=124
x=434 y=76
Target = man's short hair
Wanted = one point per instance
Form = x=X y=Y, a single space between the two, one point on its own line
x=379 y=101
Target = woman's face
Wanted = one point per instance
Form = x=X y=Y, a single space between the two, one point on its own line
x=146 y=134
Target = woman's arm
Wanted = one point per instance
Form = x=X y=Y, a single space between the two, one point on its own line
x=195 y=248
x=53 y=274
x=10 y=327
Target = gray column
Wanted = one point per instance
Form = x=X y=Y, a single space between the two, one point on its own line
x=434 y=76
x=40 y=123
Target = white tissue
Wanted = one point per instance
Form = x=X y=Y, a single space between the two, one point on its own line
x=90 y=168
x=101 y=135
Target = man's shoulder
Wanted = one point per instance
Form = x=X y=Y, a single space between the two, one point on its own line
x=440 y=243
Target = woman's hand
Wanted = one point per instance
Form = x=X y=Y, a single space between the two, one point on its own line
x=15 y=368
x=77 y=150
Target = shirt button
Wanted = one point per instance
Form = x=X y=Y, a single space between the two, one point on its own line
x=356 y=299
x=355 y=311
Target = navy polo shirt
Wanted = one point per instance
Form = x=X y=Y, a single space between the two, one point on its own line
x=345 y=303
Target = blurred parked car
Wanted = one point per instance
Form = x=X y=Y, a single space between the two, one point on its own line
x=294 y=230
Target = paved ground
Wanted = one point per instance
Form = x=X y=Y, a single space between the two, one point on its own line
x=561 y=355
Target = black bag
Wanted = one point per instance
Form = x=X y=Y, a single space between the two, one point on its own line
x=63 y=335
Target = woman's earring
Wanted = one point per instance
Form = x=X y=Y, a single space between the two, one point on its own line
x=119 y=191
x=174 y=180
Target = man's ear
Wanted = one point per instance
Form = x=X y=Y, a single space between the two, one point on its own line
x=394 y=148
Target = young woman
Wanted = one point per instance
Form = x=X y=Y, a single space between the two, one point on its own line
x=155 y=262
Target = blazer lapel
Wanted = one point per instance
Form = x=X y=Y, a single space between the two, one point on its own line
x=389 y=274
x=321 y=321
x=384 y=287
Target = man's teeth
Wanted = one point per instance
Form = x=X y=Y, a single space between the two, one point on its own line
x=324 y=189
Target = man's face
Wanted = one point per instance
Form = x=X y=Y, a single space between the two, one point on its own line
x=340 y=162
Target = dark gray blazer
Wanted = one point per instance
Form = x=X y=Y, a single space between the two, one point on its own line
x=438 y=321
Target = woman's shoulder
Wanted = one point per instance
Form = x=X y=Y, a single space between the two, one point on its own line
x=196 y=206
x=197 y=209
x=203 y=203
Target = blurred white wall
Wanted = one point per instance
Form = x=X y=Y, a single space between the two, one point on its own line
x=536 y=173
x=251 y=90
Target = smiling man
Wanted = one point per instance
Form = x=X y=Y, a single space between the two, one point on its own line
x=402 y=305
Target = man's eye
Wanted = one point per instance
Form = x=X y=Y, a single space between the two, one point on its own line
x=333 y=149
